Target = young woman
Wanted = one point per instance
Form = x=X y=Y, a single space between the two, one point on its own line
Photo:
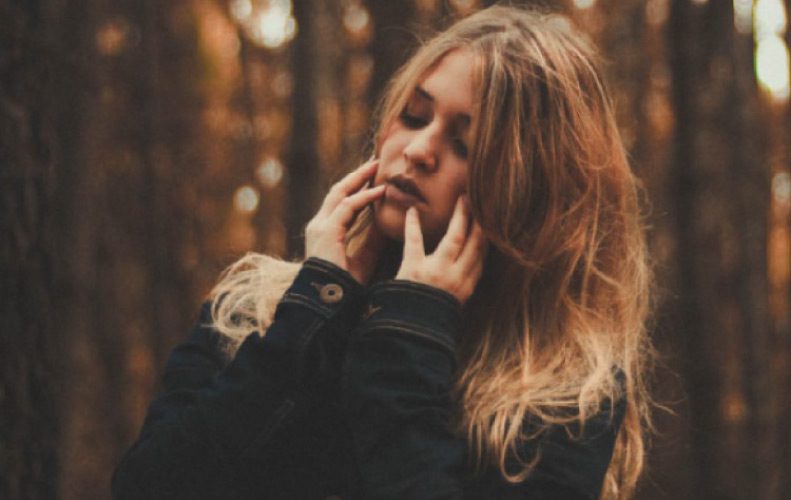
x=469 y=319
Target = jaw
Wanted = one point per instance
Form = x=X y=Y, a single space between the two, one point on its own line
x=389 y=220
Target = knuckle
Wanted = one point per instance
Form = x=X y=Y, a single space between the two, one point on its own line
x=435 y=277
x=335 y=191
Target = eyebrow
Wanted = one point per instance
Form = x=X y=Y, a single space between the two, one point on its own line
x=463 y=118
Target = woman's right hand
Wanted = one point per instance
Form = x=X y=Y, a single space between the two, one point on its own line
x=325 y=234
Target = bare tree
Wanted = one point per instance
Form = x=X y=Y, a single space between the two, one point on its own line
x=722 y=197
x=29 y=342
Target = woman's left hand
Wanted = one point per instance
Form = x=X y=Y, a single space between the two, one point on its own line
x=456 y=264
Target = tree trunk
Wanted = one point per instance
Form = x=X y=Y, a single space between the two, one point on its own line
x=722 y=196
x=28 y=344
x=303 y=195
x=128 y=138
x=632 y=36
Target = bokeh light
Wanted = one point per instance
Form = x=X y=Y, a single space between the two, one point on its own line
x=743 y=16
x=246 y=199
x=584 y=4
x=771 y=51
x=270 y=172
x=112 y=37
x=657 y=11
x=268 y=23
x=781 y=187
x=772 y=65
x=356 y=18
x=241 y=10
x=770 y=18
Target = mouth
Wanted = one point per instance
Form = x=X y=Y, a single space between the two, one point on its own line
x=406 y=187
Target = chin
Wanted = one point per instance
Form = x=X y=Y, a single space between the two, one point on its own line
x=389 y=221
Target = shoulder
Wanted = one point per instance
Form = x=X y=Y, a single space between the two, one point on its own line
x=578 y=455
x=201 y=355
x=570 y=462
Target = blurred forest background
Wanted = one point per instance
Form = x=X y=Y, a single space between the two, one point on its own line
x=145 y=145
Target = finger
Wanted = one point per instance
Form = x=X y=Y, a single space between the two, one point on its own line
x=353 y=181
x=344 y=212
x=413 y=237
x=453 y=242
x=475 y=249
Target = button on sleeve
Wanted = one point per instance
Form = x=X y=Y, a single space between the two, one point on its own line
x=331 y=293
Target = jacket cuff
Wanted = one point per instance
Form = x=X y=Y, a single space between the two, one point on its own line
x=324 y=287
x=414 y=308
x=326 y=290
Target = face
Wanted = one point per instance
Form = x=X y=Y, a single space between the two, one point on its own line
x=423 y=154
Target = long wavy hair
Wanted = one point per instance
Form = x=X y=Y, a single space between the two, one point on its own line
x=556 y=328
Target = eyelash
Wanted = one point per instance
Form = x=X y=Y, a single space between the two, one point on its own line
x=414 y=122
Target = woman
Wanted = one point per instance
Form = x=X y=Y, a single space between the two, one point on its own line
x=469 y=319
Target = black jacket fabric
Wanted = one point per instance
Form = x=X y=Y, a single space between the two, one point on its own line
x=347 y=394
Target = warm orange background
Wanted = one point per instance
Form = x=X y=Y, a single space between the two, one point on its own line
x=145 y=145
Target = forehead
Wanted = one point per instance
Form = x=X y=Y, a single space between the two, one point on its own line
x=450 y=81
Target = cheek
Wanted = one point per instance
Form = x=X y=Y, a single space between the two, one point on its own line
x=458 y=187
x=393 y=143
x=443 y=212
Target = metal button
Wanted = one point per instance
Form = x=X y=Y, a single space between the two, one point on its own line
x=331 y=293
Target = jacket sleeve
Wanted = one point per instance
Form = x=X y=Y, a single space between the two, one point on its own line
x=211 y=418
x=396 y=394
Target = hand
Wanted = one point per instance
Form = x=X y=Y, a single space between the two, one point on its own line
x=325 y=234
x=456 y=264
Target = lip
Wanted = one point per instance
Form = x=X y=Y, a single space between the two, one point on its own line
x=406 y=186
x=394 y=194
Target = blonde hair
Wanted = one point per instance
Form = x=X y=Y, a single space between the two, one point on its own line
x=560 y=312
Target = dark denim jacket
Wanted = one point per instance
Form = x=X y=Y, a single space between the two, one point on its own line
x=347 y=394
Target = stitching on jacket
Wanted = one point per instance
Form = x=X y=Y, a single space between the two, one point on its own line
x=417 y=288
x=406 y=328
x=325 y=267
x=296 y=298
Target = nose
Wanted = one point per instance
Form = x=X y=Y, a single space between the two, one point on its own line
x=421 y=151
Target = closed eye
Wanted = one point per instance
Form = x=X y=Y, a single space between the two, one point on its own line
x=412 y=121
x=415 y=122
